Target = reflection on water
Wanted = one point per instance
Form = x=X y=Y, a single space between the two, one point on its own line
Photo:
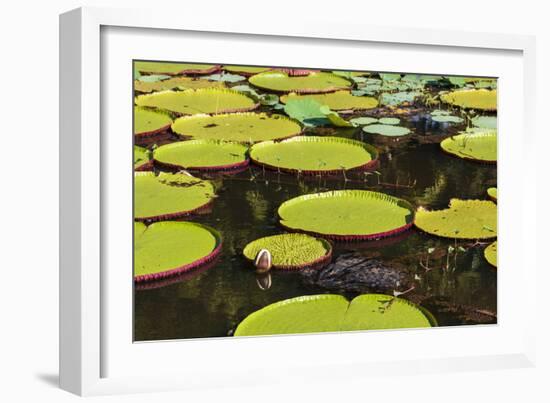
x=452 y=280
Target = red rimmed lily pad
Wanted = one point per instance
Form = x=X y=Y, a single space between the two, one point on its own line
x=148 y=122
x=170 y=248
x=174 y=69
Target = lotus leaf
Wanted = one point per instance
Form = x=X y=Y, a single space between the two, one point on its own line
x=227 y=78
x=334 y=118
x=312 y=154
x=141 y=156
x=446 y=118
x=485 y=122
x=332 y=313
x=247 y=70
x=389 y=121
x=398 y=98
x=169 y=195
x=202 y=154
x=477 y=146
x=347 y=214
x=291 y=251
x=149 y=122
x=386 y=130
x=493 y=193
x=363 y=121
x=464 y=219
x=307 y=111
x=182 y=83
x=174 y=68
x=472 y=99
x=312 y=83
x=202 y=100
x=490 y=253
x=168 y=248
x=238 y=127
x=337 y=101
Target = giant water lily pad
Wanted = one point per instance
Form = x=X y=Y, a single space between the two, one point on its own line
x=148 y=122
x=333 y=313
x=476 y=145
x=493 y=193
x=168 y=195
x=170 y=248
x=337 y=101
x=142 y=157
x=202 y=154
x=390 y=130
x=314 y=154
x=238 y=127
x=182 y=83
x=174 y=68
x=291 y=251
x=203 y=100
x=311 y=83
x=464 y=219
x=490 y=253
x=472 y=99
x=347 y=214
x=246 y=70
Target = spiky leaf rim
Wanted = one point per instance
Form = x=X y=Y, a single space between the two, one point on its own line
x=487 y=133
x=156 y=131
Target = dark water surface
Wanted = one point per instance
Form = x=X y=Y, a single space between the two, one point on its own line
x=459 y=289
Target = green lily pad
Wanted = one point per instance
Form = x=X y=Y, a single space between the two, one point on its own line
x=202 y=155
x=182 y=83
x=202 y=100
x=227 y=78
x=389 y=121
x=337 y=101
x=490 y=254
x=493 y=193
x=246 y=70
x=169 y=195
x=142 y=156
x=485 y=122
x=307 y=111
x=390 y=76
x=476 y=146
x=446 y=118
x=238 y=127
x=312 y=154
x=482 y=99
x=173 y=69
x=169 y=248
x=148 y=122
x=464 y=219
x=333 y=313
x=386 y=130
x=398 y=98
x=291 y=251
x=311 y=83
x=153 y=78
x=363 y=121
x=347 y=214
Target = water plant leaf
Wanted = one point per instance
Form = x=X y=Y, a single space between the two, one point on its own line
x=307 y=111
x=153 y=78
x=291 y=251
x=182 y=83
x=334 y=118
x=169 y=248
x=482 y=99
x=398 y=98
x=246 y=70
x=386 y=130
x=332 y=313
x=202 y=100
x=313 y=154
x=169 y=195
x=476 y=145
x=347 y=214
x=447 y=118
x=336 y=101
x=350 y=74
x=490 y=253
x=238 y=127
x=485 y=122
x=312 y=83
x=363 y=121
x=142 y=156
x=493 y=193
x=464 y=219
x=149 y=122
x=389 y=121
x=225 y=77
x=174 y=68
x=202 y=155
x=390 y=76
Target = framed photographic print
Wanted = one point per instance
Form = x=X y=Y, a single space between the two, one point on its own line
x=234 y=191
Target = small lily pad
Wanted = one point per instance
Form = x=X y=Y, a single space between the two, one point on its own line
x=398 y=98
x=386 y=130
x=169 y=248
x=490 y=254
x=148 y=122
x=481 y=99
x=312 y=154
x=336 y=101
x=209 y=155
x=237 y=127
x=153 y=78
x=226 y=78
x=363 y=121
x=464 y=219
x=477 y=146
x=311 y=83
x=389 y=121
x=169 y=196
x=485 y=122
x=291 y=251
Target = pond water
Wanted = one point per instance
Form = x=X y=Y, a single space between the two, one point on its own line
x=458 y=287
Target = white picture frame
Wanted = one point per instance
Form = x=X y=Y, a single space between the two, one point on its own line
x=94 y=329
